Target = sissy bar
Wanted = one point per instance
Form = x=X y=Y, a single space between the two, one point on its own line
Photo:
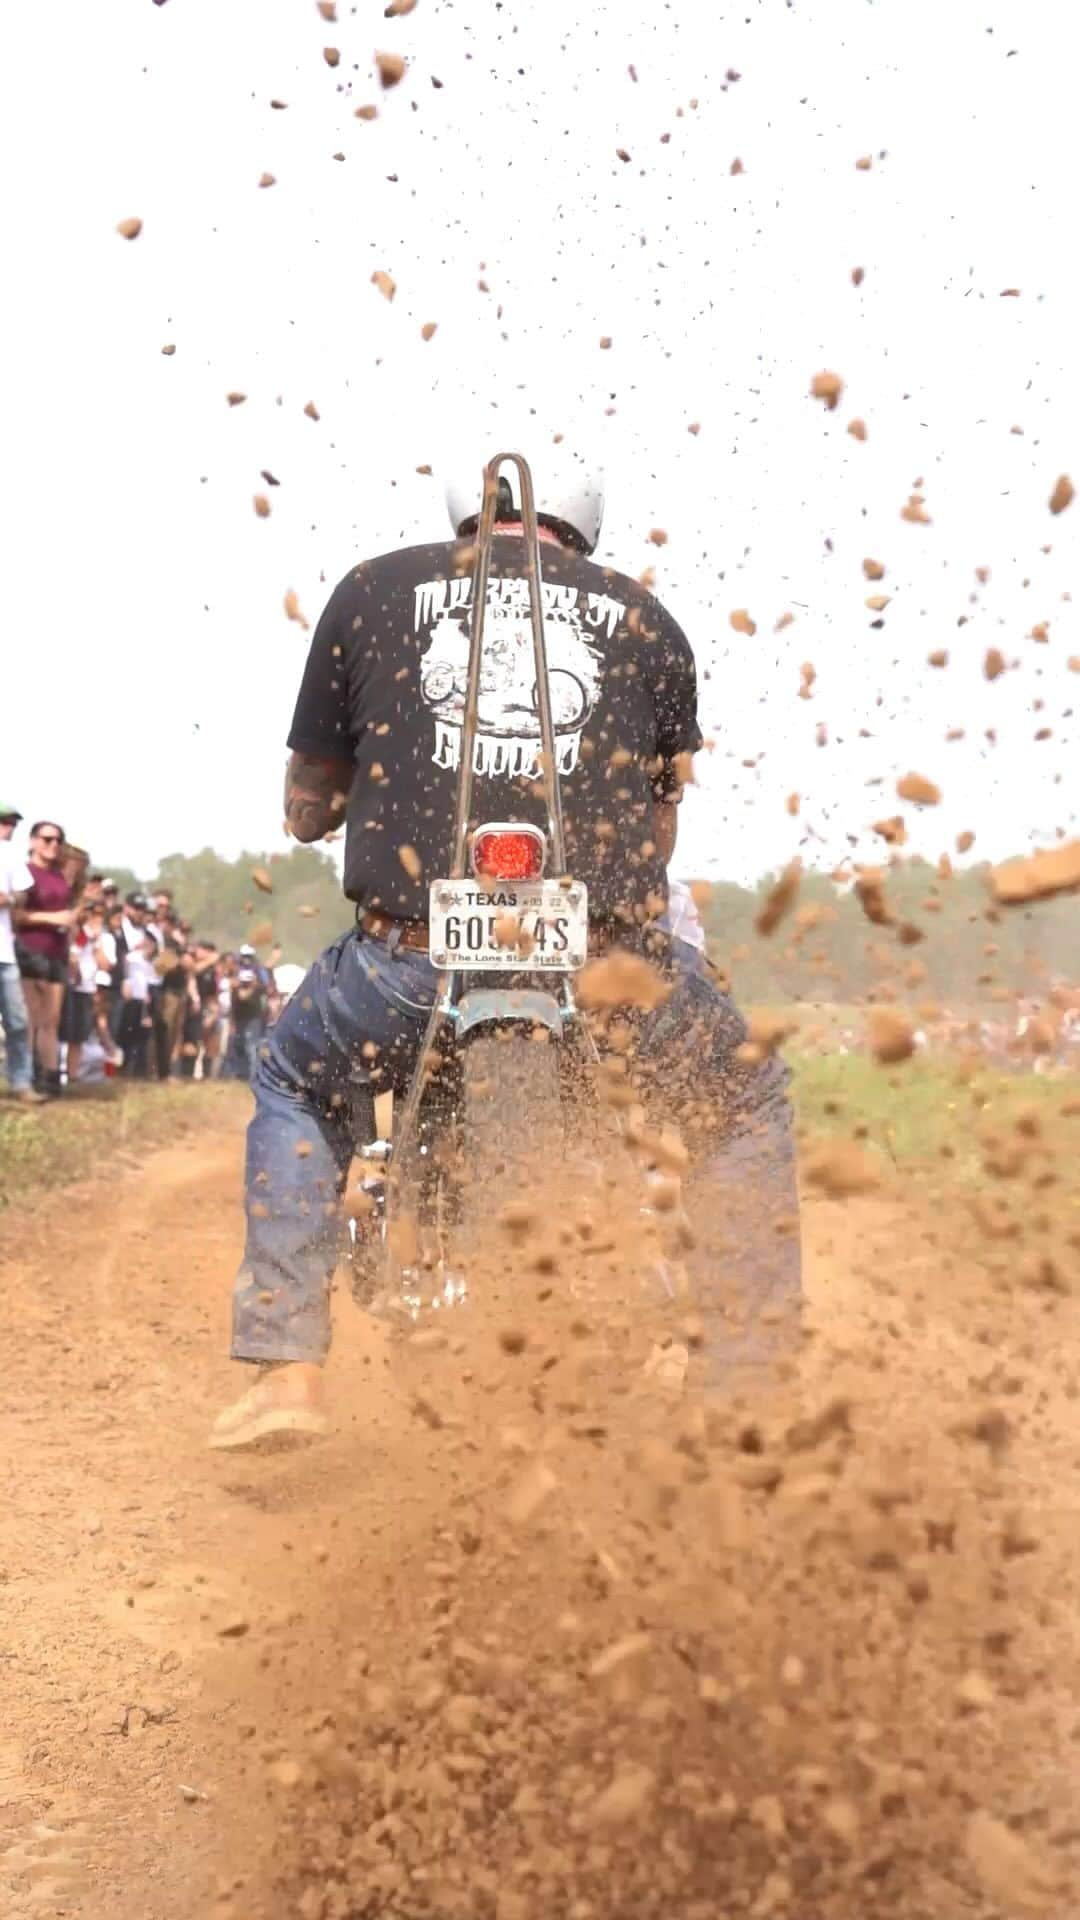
x=443 y=1010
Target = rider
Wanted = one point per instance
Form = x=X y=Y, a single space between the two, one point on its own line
x=375 y=743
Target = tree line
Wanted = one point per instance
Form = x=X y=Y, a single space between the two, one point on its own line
x=935 y=935
x=925 y=933
x=225 y=902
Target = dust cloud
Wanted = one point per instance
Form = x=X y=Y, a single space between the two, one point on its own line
x=805 y=1646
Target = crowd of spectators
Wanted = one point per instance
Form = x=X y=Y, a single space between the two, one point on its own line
x=94 y=984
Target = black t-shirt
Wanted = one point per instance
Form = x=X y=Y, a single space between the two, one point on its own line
x=173 y=975
x=384 y=689
x=248 y=1005
x=117 y=972
x=206 y=983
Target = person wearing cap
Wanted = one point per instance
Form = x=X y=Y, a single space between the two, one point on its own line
x=136 y=909
x=15 y=883
x=42 y=925
x=248 y=1016
x=376 y=745
x=135 y=1026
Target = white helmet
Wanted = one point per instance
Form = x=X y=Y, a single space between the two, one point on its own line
x=569 y=493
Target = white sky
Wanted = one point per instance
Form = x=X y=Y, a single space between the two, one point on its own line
x=148 y=670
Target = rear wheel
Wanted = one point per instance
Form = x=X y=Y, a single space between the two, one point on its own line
x=510 y=1135
x=513 y=1123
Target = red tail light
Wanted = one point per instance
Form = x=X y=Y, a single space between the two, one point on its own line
x=508 y=853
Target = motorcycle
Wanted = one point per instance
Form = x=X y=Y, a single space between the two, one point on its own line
x=509 y=1075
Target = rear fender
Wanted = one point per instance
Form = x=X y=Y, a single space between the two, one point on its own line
x=506 y=1006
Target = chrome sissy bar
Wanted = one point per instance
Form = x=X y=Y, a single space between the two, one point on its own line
x=443 y=1010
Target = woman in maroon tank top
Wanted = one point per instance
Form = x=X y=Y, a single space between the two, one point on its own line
x=42 y=924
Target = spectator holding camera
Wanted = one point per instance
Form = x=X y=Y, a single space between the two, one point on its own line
x=248 y=1011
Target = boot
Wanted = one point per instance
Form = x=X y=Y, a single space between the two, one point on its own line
x=51 y=1083
x=284 y=1406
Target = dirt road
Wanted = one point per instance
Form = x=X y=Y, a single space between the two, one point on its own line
x=176 y=1629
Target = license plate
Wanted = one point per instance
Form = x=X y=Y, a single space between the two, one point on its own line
x=534 y=926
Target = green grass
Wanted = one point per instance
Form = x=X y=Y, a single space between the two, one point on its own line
x=922 y=1111
x=928 y=1109
x=103 y=1129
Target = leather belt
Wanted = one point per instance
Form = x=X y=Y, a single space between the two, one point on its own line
x=410 y=933
x=415 y=934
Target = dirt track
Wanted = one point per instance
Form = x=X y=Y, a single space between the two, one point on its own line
x=178 y=1632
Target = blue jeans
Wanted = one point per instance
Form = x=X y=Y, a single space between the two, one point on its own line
x=300 y=1140
x=242 y=1055
x=20 y=1071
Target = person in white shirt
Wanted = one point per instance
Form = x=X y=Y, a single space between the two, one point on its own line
x=15 y=881
x=107 y=955
x=136 y=918
x=683 y=921
x=136 y=1021
x=78 y=1022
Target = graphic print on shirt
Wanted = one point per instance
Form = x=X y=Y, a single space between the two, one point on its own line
x=508 y=735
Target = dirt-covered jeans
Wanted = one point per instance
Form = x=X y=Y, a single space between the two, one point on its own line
x=301 y=1140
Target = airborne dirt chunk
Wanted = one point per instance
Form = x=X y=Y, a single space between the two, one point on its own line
x=531 y=1493
x=779 y=900
x=891 y=1035
x=291 y=604
x=625 y=1799
x=1038 y=877
x=1008 y=1867
x=918 y=789
x=391 y=68
x=827 y=387
x=915 y=510
x=842 y=1168
x=621 y=979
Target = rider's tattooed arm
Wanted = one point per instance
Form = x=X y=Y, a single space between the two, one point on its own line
x=316 y=792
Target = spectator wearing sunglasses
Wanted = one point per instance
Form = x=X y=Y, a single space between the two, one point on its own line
x=42 y=923
x=15 y=883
